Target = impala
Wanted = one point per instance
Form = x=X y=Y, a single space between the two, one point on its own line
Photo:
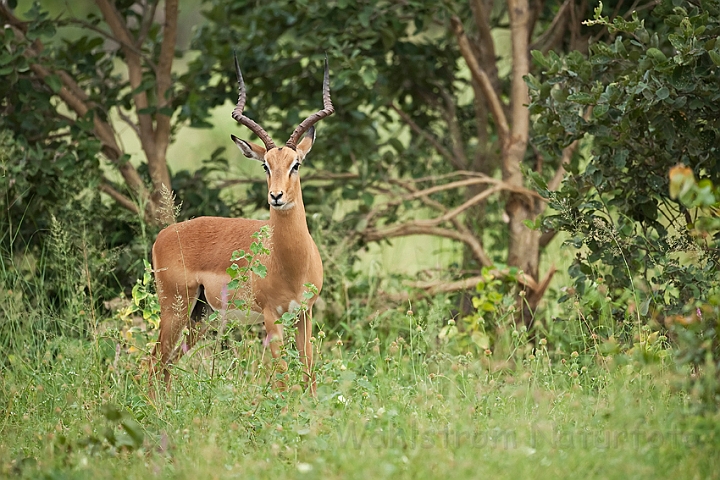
x=190 y=258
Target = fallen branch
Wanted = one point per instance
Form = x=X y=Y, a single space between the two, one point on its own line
x=435 y=287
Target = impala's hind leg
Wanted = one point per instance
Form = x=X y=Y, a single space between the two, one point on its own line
x=174 y=318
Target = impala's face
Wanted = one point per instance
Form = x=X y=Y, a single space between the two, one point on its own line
x=282 y=166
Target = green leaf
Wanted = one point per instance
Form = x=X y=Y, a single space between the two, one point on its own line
x=134 y=430
x=582 y=98
x=259 y=270
x=715 y=56
x=397 y=145
x=656 y=55
x=532 y=82
x=53 y=81
x=540 y=58
x=600 y=110
x=111 y=412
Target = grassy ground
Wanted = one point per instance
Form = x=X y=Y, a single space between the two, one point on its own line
x=394 y=401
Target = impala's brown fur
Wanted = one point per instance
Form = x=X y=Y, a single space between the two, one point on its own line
x=197 y=253
x=190 y=259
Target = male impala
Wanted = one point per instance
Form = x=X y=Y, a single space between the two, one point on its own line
x=190 y=258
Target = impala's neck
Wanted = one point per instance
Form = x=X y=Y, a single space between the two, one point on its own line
x=291 y=239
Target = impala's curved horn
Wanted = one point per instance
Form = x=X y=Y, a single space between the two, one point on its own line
x=237 y=113
x=327 y=110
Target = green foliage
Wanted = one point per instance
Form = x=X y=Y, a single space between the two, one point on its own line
x=122 y=434
x=281 y=46
x=495 y=312
x=144 y=300
x=52 y=159
x=698 y=326
x=640 y=104
x=250 y=264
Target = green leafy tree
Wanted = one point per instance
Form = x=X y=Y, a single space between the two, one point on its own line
x=430 y=134
x=70 y=85
x=431 y=129
x=642 y=102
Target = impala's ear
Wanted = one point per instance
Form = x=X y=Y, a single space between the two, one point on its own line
x=250 y=150
x=306 y=143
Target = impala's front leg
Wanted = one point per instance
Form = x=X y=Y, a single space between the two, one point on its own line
x=305 y=348
x=274 y=340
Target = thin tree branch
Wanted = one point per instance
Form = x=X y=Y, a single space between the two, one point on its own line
x=435 y=287
x=482 y=22
x=548 y=38
x=158 y=168
x=407 y=229
x=547 y=237
x=119 y=29
x=454 y=129
x=111 y=37
x=444 y=152
x=103 y=130
x=128 y=121
x=567 y=154
x=149 y=8
x=121 y=199
x=492 y=97
x=432 y=223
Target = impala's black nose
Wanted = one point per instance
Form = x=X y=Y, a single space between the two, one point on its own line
x=275 y=198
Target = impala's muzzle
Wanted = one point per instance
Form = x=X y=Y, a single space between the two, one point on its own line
x=276 y=199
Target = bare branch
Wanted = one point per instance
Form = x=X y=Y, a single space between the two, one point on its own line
x=567 y=154
x=538 y=291
x=480 y=76
x=128 y=121
x=411 y=228
x=456 y=173
x=556 y=30
x=118 y=197
x=480 y=197
x=450 y=114
x=104 y=131
x=547 y=237
x=119 y=29
x=149 y=8
x=432 y=223
x=475 y=181
x=444 y=152
x=482 y=22
x=435 y=287
x=109 y=36
x=158 y=167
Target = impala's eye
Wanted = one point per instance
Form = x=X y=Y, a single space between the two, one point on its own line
x=295 y=168
x=265 y=167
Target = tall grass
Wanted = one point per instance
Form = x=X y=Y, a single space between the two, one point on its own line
x=402 y=393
